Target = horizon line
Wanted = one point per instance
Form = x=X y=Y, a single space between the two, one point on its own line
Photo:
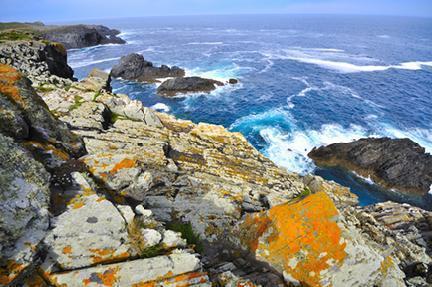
x=219 y=14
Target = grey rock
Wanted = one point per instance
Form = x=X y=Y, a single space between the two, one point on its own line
x=135 y=67
x=393 y=163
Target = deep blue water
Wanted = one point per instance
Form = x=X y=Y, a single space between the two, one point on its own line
x=305 y=81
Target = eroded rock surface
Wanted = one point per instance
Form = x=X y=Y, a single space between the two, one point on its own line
x=393 y=163
x=40 y=61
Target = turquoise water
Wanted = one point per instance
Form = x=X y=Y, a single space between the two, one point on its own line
x=305 y=81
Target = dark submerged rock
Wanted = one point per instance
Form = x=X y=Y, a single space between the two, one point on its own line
x=393 y=163
x=233 y=81
x=175 y=86
x=134 y=67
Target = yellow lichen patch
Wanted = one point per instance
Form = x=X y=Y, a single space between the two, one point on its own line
x=35 y=281
x=10 y=271
x=47 y=148
x=125 y=163
x=67 y=249
x=77 y=205
x=301 y=239
x=386 y=264
x=8 y=78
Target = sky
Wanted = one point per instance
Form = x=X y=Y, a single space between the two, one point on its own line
x=75 y=10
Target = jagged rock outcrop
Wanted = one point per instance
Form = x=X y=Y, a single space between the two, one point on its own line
x=172 y=87
x=40 y=61
x=80 y=36
x=28 y=117
x=135 y=68
x=399 y=164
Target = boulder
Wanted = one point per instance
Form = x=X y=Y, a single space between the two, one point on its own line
x=311 y=245
x=80 y=36
x=233 y=81
x=399 y=164
x=135 y=68
x=184 y=85
x=24 y=199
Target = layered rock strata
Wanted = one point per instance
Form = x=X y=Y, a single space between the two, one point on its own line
x=157 y=201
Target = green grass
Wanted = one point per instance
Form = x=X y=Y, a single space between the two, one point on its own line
x=78 y=102
x=152 y=251
x=96 y=95
x=187 y=233
x=115 y=117
x=15 y=35
x=44 y=89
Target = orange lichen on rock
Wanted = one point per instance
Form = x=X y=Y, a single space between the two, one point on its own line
x=108 y=278
x=10 y=271
x=183 y=280
x=67 y=249
x=300 y=239
x=8 y=79
x=125 y=163
x=107 y=255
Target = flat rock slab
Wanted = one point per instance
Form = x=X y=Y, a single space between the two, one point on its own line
x=137 y=273
x=90 y=231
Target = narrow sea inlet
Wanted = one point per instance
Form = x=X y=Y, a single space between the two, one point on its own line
x=305 y=81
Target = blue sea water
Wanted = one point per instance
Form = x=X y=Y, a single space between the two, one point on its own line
x=305 y=80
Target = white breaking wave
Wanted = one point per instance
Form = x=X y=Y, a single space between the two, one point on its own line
x=352 y=68
x=161 y=107
x=91 y=62
x=340 y=61
x=290 y=150
x=327 y=86
x=288 y=145
x=205 y=43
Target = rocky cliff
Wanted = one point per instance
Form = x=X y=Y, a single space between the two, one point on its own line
x=98 y=190
x=70 y=36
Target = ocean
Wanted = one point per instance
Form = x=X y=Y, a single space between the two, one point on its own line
x=305 y=80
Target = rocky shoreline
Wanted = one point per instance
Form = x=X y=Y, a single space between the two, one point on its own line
x=398 y=164
x=98 y=190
